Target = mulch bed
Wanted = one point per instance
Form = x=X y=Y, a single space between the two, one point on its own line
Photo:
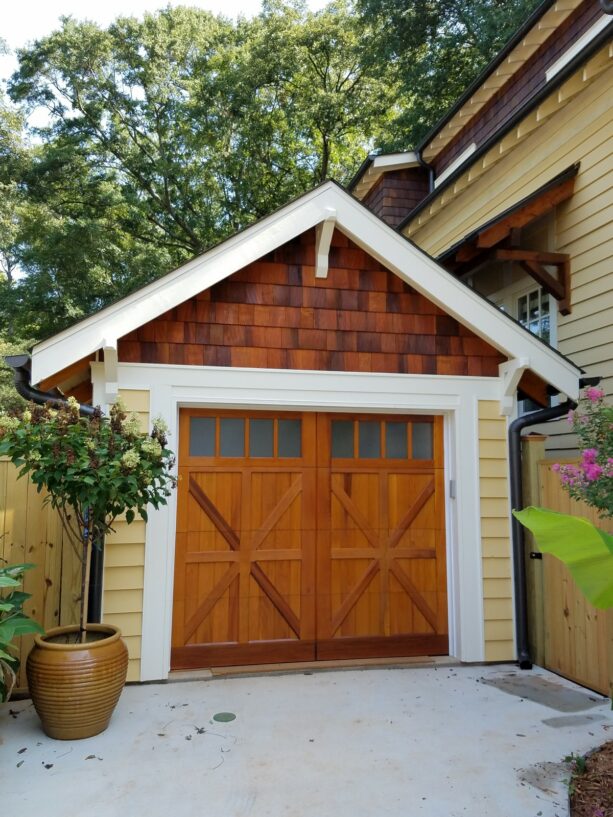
x=592 y=790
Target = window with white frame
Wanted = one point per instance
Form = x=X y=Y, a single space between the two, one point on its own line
x=533 y=312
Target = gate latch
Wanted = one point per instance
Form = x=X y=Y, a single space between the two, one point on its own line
x=535 y=554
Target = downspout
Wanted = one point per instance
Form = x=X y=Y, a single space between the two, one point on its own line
x=427 y=167
x=517 y=529
x=20 y=364
x=23 y=383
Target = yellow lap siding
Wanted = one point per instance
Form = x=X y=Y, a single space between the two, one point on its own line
x=495 y=533
x=124 y=562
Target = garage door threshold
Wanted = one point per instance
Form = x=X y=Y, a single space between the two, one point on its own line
x=418 y=662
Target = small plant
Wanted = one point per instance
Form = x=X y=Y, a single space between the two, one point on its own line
x=578 y=767
x=94 y=469
x=13 y=623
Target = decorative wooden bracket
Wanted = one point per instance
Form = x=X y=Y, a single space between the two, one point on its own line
x=111 y=378
x=323 y=237
x=510 y=374
x=534 y=262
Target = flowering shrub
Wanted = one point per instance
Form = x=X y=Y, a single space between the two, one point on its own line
x=592 y=480
x=93 y=468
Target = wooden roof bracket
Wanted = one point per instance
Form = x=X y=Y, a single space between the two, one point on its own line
x=535 y=263
x=111 y=378
x=323 y=238
x=510 y=375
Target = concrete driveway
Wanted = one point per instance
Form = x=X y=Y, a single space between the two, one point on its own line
x=444 y=741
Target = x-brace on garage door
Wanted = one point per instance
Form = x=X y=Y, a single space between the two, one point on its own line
x=308 y=536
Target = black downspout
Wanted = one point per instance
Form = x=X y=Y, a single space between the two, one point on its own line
x=21 y=370
x=427 y=167
x=517 y=530
x=20 y=364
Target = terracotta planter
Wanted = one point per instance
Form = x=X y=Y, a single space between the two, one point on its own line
x=75 y=687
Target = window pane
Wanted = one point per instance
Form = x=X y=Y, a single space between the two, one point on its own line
x=522 y=309
x=342 y=438
x=545 y=329
x=232 y=437
x=544 y=303
x=422 y=441
x=290 y=438
x=534 y=305
x=260 y=438
x=396 y=440
x=202 y=436
x=370 y=439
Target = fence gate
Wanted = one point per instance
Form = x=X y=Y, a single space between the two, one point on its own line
x=578 y=638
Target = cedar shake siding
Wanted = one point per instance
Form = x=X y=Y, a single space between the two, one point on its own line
x=521 y=86
x=396 y=193
x=274 y=313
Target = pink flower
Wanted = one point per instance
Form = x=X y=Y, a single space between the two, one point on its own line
x=593 y=393
x=571 y=417
x=589 y=455
x=592 y=472
x=555 y=467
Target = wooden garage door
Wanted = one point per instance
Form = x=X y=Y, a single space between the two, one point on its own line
x=305 y=536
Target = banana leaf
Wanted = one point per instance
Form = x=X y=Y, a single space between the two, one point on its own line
x=586 y=550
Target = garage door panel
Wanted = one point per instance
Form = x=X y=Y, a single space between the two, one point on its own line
x=214 y=503
x=276 y=502
x=293 y=558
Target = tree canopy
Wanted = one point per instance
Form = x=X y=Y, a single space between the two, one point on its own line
x=166 y=134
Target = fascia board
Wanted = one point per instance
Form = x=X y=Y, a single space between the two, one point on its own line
x=116 y=320
x=389 y=247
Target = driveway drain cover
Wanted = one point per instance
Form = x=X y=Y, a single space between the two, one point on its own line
x=224 y=717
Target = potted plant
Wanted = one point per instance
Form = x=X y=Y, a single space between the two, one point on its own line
x=93 y=469
x=13 y=623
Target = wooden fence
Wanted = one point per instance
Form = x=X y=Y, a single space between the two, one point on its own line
x=569 y=636
x=30 y=531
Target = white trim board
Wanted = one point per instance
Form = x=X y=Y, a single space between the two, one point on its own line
x=456 y=398
x=578 y=46
x=370 y=233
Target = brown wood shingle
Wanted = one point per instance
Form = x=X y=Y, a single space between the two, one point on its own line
x=275 y=313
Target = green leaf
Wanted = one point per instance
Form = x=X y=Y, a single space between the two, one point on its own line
x=7 y=581
x=586 y=550
x=129 y=516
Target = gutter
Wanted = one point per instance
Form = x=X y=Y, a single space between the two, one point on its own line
x=517 y=530
x=21 y=365
x=533 y=102
x=515 y=39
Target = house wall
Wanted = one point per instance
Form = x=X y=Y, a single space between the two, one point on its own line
x=498 y=612
x=396 y=193
x=582 y=132
x=275 y=313
x=124 y=562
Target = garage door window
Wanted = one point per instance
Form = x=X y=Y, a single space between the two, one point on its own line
x=253 y=437
x=376 y=439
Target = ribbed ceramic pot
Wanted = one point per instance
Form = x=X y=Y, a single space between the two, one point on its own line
x=75 y=687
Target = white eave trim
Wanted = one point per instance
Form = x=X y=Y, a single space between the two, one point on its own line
x=458 y=162
x=384 y=164
x=577 y=46
x=370 y=233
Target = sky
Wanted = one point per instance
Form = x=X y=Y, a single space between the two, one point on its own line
x=24 y=20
